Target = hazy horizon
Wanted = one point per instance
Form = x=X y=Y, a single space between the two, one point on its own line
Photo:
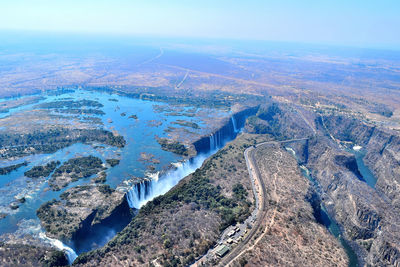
x=8 y=38
x=364 y=24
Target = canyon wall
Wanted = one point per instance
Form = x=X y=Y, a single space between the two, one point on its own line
x=368 y=217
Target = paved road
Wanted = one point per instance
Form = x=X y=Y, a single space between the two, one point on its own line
x=183 y=80
x=253 y=169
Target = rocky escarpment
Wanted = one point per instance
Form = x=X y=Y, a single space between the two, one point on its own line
x=290 y=236
x=368 y=217
x=282 y=121
x=350 y=162
x=227 y=131
x=80 y=209
x=387 y=248
x=382 y=151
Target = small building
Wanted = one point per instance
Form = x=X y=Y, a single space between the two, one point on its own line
x=231 y=233
x=221 y=250
x=229 y=241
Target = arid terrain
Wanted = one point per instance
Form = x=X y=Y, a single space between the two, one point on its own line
x=289 y=234
x=144 y=155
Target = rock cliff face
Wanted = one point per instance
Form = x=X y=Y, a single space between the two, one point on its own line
x=368 y=217
x=281 y=121
x=226 y=132
x=350 y=162
x=355 y=205
x=382 y=151
x=291 y=235
x=81 y=209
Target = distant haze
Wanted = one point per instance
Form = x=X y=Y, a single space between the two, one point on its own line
x=364 y=23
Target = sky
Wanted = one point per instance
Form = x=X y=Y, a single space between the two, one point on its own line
x=364 y=23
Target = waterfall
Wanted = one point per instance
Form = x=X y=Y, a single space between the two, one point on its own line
x=146 y=190
x=212 y=142
x=71 y=254
x=139 y=194
x=219 y=139
x=215 y=140
x=233 y=120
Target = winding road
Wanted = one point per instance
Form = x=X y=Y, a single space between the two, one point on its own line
x=255 y=176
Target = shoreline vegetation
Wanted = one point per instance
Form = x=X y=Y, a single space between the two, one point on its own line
x=75 y=169
x=11 y=168
x=42 y=171
x=48 y=142
x=173 y=146
x=210 y=99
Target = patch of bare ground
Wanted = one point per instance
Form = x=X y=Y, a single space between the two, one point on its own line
x=290 y=235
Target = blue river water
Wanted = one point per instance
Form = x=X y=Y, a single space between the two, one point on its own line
x=324 y=218
x=331 y=224
x=366 y=173
x=140 y=135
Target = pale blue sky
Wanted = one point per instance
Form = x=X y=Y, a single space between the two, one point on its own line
x=348 y=22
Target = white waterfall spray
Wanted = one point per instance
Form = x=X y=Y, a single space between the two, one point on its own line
x=216 y=141
x=146 y=190
x=235 y=129
x=212 y=142
x=71 y=254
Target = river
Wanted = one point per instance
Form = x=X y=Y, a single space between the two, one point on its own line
x=153 y=120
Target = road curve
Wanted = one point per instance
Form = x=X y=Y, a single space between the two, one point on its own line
x=253 y=169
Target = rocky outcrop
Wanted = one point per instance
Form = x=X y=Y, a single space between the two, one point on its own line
x=384 y=253
x=383 y=159
x=350 y=162
x=282 y=121
x=367 y=219
x=347 y=129
x=382 y=151
x=82 y=208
